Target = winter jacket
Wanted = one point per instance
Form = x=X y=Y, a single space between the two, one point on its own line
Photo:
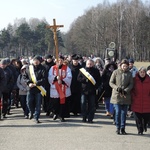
x=9 y=80
x=47 y=67
x=22 y=85
x=124 y=80
x=86 y=86
x=141 y=95
x=40 y=73
x=75 y=84
x=105 y=80
x=133 y=70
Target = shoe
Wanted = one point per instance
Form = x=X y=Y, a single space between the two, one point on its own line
x=8 y=112
x=4 y=116
x=145 y=127
x=62 y=120
x=31 y=116
x=17 y=106
x=48 y=113
x=37 y=121
x=90 y=121
x=140 y=133
x=26 y=117
x=123 y=131
x=111 y=116
x=84 y=119
x=75 y=114
x=118 y=131
x=51 y=114
x=55 y=117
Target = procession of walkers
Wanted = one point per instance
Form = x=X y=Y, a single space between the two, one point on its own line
x=76 y=85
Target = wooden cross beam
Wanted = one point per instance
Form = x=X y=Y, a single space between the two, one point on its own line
x=54 y=27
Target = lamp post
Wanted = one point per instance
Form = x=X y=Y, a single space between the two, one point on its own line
x=120 y=32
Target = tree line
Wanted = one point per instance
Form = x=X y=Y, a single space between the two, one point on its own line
x=127 y=23
x=28 y=38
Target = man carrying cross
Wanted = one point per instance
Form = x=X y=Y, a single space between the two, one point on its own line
x=60 y=80
x=59 y=77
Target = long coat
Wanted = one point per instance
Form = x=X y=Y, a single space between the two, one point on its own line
x=75 y=84
x=122 y=79
x=105 y=79
x=141 y=95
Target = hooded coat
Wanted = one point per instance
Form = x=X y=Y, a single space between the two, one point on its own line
x=141 y=95
x=122 y=79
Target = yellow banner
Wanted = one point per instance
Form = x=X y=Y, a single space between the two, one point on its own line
x=88 y=76
x=33 y=77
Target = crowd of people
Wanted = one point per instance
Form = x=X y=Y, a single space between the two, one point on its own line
x=75 y=85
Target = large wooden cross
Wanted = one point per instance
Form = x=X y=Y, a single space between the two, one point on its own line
x=54 y=27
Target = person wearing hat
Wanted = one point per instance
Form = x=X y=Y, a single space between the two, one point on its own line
x=75 y=102
x=11 y=66
x=47 y=63
x=141 y=100
x=35 y=77
x=23 y=91
x=121 y=82
x=81 y=61
x=60 y=77
x=107 y=72
x=9 y=79
x=132 y=68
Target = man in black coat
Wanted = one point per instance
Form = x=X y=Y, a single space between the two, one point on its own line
x=7 y=87
x=35 y=77
x=47 y=63
x=90 y=79
x=75 y=103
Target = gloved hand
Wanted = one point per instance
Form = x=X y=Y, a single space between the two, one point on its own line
x=119 y=90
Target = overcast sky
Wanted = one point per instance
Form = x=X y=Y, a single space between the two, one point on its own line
x=64 y=11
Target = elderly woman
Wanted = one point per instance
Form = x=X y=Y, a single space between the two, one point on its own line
x=121 y=82
x=141 y=100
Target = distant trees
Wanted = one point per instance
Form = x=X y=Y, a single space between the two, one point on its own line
x=127 y=23
x=27 y=39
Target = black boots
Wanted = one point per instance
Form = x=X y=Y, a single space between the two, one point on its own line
x=118 y=131
x=84 y=119
x=123 y=131
x=140 y=131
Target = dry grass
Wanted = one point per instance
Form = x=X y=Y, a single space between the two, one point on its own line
x=140 y=64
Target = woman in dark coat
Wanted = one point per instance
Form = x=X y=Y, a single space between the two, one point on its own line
x=109 y=68
x=141 y=100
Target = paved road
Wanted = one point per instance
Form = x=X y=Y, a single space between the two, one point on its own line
x=17 y=133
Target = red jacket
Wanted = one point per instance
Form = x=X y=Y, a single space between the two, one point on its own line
x=141 y=95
